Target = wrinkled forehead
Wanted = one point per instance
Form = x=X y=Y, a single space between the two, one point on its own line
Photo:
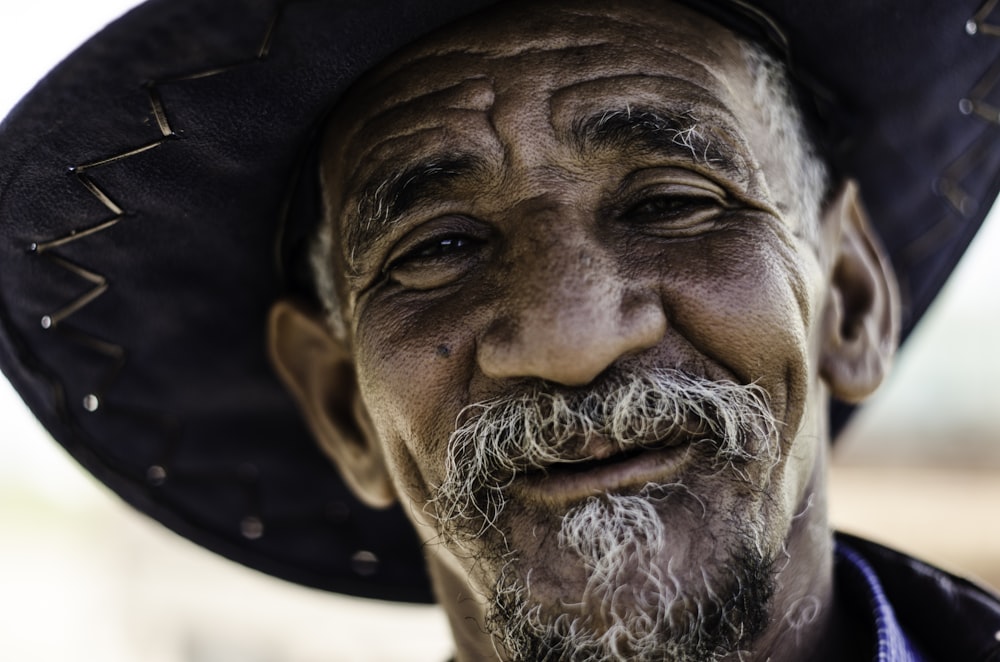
x=563 y=38
x=565 y=52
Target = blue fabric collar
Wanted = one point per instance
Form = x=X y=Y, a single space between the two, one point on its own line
x=892 y=644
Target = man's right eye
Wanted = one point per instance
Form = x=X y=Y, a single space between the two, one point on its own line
x=435 y=248
x=435 y=262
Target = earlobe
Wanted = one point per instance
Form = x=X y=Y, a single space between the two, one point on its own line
x=861 y=319
x=318 y=370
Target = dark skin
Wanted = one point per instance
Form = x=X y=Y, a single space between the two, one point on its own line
x=487 y=233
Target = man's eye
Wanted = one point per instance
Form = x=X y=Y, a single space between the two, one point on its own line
x=432 y=249
x=434 y=262
x=673 y=207
x=440 y=247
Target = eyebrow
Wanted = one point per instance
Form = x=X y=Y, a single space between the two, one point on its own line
x=390 y=193
x=678 y=134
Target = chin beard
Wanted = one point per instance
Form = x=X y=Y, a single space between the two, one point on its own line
x=633 y=607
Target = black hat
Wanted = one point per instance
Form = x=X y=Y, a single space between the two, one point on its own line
x=156 y=193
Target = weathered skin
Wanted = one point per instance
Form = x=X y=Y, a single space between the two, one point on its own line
x=542 y=255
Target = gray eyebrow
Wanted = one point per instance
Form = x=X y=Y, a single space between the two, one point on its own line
x=392 y=192
x=657 y=130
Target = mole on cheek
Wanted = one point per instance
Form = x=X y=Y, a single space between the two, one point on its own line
x=443 y=351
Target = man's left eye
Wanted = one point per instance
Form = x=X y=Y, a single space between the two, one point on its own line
x=660 y=208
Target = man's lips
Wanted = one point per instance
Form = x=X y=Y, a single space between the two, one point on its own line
x=605 y=469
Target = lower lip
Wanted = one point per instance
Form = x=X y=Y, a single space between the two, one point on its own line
x=567 y=483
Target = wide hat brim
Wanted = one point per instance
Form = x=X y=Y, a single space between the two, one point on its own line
x=153 y=193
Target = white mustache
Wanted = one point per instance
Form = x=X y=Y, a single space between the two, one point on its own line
x=497 y=440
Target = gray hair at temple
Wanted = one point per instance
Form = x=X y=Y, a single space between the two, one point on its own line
x=786 y=133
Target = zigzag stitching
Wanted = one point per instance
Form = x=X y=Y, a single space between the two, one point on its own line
x=976 y=101
x=977 y=24
x=251 y=526
x=949 y=185
x=82 y=173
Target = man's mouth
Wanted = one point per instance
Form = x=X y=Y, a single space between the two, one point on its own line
x=605 y=470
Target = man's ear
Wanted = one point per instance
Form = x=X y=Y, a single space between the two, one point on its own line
x=318 y=370
x=861 y=317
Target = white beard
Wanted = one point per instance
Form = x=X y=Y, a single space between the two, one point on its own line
x=638 y=610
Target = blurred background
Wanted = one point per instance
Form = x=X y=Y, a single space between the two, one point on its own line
x=84 y=578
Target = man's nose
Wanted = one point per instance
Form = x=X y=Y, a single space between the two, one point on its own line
x=570 y=323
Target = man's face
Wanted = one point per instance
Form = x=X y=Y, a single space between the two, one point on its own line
x=542 y=230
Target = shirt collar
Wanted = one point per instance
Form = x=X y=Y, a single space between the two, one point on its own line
x=855 y=574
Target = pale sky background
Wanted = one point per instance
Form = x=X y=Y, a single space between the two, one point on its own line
x=55 y=606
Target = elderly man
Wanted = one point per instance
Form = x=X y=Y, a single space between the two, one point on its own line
x=587 y=287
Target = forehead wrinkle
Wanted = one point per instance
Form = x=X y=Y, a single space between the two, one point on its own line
x=543 y=45
x=435 y=72
x=474 y=92
x=453 y=56
x=676 y=79
x=495 y=42
x=498 y=37
x=393 y=140
x=432 y=78
x=470 y=94
x=398 y=116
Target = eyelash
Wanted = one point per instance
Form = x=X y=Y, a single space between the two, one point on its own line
x=436 y=248
x=673 y=204
x=669 y=206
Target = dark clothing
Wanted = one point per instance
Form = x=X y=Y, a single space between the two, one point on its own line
x=918 y=612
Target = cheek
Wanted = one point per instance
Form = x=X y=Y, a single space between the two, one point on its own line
x=413 y=376
x=743 y=301
x=749 y=305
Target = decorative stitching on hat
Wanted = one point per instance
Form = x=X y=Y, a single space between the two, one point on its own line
x=251 y=526
x=949 y=185
x=81 y=172
x=978 y=24
x=976 y=101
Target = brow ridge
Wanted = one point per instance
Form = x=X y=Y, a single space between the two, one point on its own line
x=387 y=195
x=671 y=132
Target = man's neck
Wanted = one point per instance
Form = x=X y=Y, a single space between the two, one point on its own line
x=808 y=622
